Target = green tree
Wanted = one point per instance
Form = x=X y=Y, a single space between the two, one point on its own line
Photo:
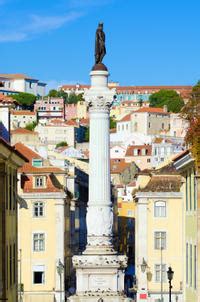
x=112 y=123
x=87 y=135
x=170 y=98
x=31 y=126
x=24 y=98
x=53 y=93
x=61 y=144
x=74 y=98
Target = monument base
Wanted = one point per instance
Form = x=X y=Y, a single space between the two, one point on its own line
x=99 y=278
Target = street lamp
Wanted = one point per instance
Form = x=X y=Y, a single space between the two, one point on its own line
x=60 y=269
x=170 y=274
x=143 y=265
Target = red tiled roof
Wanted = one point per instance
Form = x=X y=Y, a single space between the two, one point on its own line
x=117 y=166
x=27 y=152
x=129 y=151
x=7 y=99
x=84 y=121
x=28 y=187
x=74 y=86
x=29 y=169
x=22 y=112
x=71 y=123
x=151 y=110
x=183 y=90
x=23 y=131
x=126 y=118
x=56 y=121
x=14 y=76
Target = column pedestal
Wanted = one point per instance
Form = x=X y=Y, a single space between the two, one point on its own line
x=99 y=270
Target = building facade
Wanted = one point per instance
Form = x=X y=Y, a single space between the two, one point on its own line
x=21 y=118
x=15 y=83
x=158 y=205
x=10 y=161
x=41 y=230
x=185 y=165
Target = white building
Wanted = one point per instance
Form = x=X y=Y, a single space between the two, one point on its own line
x=117 y=152
x=163 y=149
x=52 y=134
x=21 y=118
x=124 y=125
x=15 y=83
x=178 y=125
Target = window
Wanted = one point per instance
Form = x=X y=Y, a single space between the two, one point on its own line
x=163 y=125
x=39 y=181
x=38 y=209
x=149 y=125
x=159 y=240
x=135 y=152
x=38 y=242
x=148 y=160
x=160 y=209
x=38 y=274
x=126 y=126
x=158 y=272
x=37 y=162
x=143 y=151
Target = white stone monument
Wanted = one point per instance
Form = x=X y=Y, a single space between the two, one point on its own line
x=99 y=270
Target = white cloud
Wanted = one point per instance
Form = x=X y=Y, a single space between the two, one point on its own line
x=36 y=25
x=46 y=23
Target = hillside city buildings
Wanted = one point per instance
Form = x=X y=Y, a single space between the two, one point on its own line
x=15 y=83
x=45 y=158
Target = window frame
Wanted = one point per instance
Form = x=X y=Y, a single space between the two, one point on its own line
x=41 y=204
x=158 y=209
x=160 y=241
x=38 y=239
x=161 y=273
x=42 y=271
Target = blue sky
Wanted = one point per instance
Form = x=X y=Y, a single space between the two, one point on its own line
x=149 y=42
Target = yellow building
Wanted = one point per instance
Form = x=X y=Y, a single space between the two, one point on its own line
x=10 y=161
x=159 y=236
x=126 y=219
x=185 y=164
x=41 y=230
x=82 y=110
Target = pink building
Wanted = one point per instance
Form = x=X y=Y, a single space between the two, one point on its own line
x=70 y=111
x=49 y=108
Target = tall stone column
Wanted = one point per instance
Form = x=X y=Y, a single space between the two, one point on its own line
x=99 y=270
x=100 y=213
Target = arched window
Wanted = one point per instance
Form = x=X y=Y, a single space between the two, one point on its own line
x=160 y=208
